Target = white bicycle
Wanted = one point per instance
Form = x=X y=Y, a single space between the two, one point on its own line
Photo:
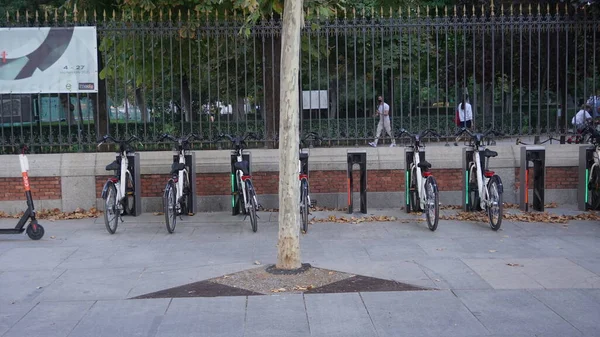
x=422 y=194
x=178 y=191
x=484 y=189
x=119 y=191
x=245 y=195
x=305 y=202
x=593 y=186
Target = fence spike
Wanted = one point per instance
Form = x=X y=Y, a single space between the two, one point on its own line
x=37 y=16
x=381 y=12
x=511 y=9
x=408 y=11
x=84 y=16
x=114 y=15
x=353 y=13
x=160 y=15
x=529 y=9
x=17 y=16
x=179 y=15
x=104 y=15
x=454 y=10
x=26 y=15
x=7 y=17
x=547 y=9
x=520 y=9
x=482 y=11
x=436 y=11
x=142 y=15
x=45 y=15
x=363 y=13
x=492 y=8
x=188 y=14
x=170 y=15
x=372 y=12
x=123 y=14
x=418 y=11
x=399 y=11
x=55 y=14
x=391 y=12
x=464 y=10
x=427 y=10
x=75 y=12
x=473 y=11
x=65 y=15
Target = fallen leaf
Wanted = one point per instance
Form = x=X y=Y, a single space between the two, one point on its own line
x=331 y=273
x=514 y=265
x=226 y=276
x=440 y=249
x=278 y=290
x=53 y=237
x=492 y=250
x=257 y=262
x=300 y=288
x=437 y=280
x=310 y=287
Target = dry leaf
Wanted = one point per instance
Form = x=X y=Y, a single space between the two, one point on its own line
x=53 y=237
x=514 y=265
x=257 y=263
x=440 y=249
x=492 y=250
x=310 y=287
x=278 y=290
x=300 y=288
x=226 y=276
x=331 y=273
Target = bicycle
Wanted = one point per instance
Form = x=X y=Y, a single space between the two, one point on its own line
x=118 y=198
x=177 y=191
x=422 y=194
x=305 y=202
x=593 y=186
x=484 y=187
x=248 y=202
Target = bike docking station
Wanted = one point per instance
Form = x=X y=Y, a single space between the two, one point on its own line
x=357 y=158
x=537 y=156
x=409 y=158
x=586 y=160
x=190 y=163
x=134 y=167
x=235 y=192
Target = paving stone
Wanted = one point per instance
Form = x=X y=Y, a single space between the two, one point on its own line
x=34 y=258
x=499 y=275
x=11 y=314
x=514 y=312
x=338 y=315
x=576 y=306
x=452 y=274
x=54 y=319
x=289 y=310
x=421 y=313
x=123 y=318
x=25 y=286
x=223 y=316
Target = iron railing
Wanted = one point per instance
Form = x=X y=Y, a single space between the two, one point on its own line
x=525 y=70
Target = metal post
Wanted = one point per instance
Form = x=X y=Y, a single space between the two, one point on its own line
x=360 y=158
x=134 y=168
x=536 y=155
x=467 y=157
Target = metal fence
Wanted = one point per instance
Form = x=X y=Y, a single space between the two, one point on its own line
x=524 y=70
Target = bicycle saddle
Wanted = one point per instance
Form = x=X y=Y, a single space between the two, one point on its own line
x=425 y=165
x=303 y=156
x=176 y=167
x=489 y=153
x=243 y=166
x=114 y=166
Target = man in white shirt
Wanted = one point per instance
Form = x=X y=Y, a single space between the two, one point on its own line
x=581 y=117
x=383 y=111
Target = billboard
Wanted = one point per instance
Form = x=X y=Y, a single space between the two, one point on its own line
x=48 y=60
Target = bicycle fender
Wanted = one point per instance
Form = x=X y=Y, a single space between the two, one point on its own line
x=499 y=181
x=105 y=189
x=170 y=182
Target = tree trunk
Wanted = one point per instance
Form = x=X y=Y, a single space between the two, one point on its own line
x=288 y=256
x=272 y=56
x=101 y=117
x=140 y=102
x=186 y=100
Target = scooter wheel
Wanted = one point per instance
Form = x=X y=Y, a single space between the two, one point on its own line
x=35 y=231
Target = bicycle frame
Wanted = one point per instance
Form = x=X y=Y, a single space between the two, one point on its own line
x=482 y=180
x=419 y=175
x=241 y=178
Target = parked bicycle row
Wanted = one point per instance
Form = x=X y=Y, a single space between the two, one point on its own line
x=484 y=187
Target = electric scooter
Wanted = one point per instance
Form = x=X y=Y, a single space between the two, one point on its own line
x=35 y=231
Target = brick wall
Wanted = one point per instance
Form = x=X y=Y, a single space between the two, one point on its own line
x=557 y=178
x=42 y=188
x=45 y=188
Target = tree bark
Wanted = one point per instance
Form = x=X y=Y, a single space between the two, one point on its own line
x=288 y=256
x=101 y=117
x=272 y=55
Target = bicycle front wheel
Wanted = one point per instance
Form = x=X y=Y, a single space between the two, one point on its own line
x=253 y=205
x=495 y=207
x=186 y=195
x=304 y=205
x=111 y=209
x=432 y=204
x=594 y=190
x=170 y=206
x=129 y=201
x=415 y=199
x=473 y=191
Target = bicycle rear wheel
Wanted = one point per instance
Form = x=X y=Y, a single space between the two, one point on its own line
x=170 y=206
x=186 y=195
x=432 y=205
x=594 y=190
x=253 y=205
x=111 y=211
x=304 y=205
x=495 y=206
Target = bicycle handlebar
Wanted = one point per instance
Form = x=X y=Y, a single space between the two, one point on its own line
x=185 y=139
x=107 y=138
x=420 y=134
x=480 y=135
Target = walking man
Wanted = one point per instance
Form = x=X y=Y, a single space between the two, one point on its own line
x=383 y=111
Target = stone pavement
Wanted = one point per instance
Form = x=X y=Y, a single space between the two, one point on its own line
x=528 y=279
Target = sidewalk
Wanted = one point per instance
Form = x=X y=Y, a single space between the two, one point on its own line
x=528 y=279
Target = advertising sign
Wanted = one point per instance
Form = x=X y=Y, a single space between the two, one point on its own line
x=48 y=60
